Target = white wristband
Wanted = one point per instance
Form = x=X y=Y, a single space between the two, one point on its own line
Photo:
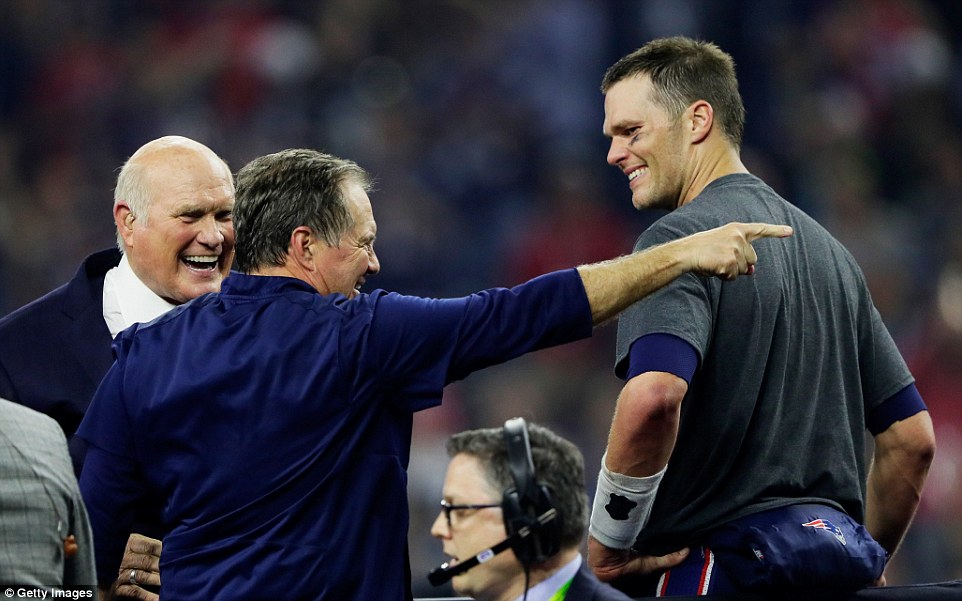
x=621 y=507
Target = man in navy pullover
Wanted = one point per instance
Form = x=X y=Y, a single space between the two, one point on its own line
x=275 y=417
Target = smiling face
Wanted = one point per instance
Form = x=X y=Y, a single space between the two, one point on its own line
x=474 y=530
x=647 y=145
x=184 y=245
x=343 y=268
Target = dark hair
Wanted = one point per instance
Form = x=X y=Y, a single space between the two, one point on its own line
x=557 y=463
x=279 y=192
x=682 y=71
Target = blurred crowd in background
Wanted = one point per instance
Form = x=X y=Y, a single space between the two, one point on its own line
x=481 y=120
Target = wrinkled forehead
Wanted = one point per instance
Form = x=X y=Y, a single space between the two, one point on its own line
x=192 y=187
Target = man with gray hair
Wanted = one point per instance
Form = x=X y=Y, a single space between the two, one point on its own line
x=273 y=420
x=172 y=209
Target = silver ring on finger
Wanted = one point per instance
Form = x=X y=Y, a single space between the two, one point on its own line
x=132 y=578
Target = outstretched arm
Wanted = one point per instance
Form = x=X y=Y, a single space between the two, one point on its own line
x=725 y=252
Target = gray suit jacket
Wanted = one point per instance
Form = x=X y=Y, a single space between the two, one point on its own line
x=40 y=504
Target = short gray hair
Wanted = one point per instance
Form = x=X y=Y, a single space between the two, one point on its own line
x=280 y=192
x=132 y=188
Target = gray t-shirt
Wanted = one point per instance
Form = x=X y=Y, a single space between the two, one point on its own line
x=791 y=360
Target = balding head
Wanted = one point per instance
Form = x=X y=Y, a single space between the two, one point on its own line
x=155 y=160
x=173 y=210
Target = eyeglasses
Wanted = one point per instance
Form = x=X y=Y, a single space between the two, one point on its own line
x=447 y=508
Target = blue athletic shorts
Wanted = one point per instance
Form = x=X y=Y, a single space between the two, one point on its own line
x=798 y=547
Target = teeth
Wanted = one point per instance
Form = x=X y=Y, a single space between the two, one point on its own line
x=201 y=259
x=634 y=174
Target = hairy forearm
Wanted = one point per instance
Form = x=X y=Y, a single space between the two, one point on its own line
x=614 y=285
x=899 y=469
x=724 y=252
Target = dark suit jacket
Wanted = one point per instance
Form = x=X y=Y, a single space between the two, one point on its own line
x=587 y=587
x=55 y=350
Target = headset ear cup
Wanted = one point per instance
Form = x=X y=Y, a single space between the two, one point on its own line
x=549 y=536
x=527 y=500
x=514 y=520
x=545 y=540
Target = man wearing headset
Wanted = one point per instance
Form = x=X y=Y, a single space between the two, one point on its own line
x=481 y=498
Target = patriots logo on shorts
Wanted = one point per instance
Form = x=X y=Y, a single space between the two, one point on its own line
x=827 y=526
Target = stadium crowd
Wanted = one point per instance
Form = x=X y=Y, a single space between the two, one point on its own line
x=482 y=121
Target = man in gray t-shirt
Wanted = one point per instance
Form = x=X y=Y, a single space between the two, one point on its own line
x=746 y=402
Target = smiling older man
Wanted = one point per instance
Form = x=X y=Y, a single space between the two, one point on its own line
x=172 y=208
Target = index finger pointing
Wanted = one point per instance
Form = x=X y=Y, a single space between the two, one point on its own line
x=754 y=231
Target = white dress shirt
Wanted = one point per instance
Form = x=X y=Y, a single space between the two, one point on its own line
x=127 y=300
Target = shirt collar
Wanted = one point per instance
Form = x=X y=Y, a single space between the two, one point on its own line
x=242 y=283
x=547 y=587
x=127 y=300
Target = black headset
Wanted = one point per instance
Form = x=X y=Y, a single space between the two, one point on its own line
x=525 y=505
x=532 y=523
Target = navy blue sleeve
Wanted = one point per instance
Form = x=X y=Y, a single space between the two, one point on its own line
x=904 y=403
x=105 y=422
x=501 y=324
x=111 y=506
x=424 y=344
x=109 y=480
x=662 y=352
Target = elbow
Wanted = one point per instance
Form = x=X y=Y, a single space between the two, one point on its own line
x=909 y=444
x=653 y=400
x=646 y=424
x=925 y=455
x=920 y=446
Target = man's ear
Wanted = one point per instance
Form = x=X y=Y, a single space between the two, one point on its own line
x=302 y=246
x=702 y=117
x=124 y=220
